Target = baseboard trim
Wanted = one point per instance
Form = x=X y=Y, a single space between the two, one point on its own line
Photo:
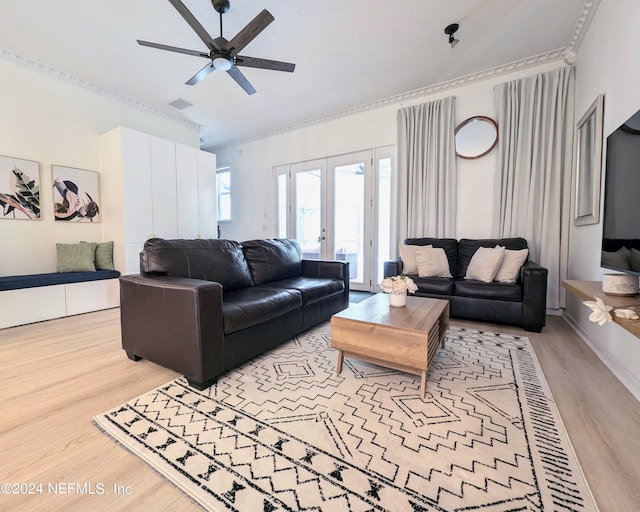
x=629 y=380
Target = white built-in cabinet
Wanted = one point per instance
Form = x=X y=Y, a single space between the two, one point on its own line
x=168 y=190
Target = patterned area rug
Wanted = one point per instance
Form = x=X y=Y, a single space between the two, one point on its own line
x=284 y=432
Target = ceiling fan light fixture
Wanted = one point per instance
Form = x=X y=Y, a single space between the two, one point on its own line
x=221 y=63
x=450 y=30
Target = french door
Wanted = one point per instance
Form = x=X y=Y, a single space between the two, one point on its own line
x=333 y=207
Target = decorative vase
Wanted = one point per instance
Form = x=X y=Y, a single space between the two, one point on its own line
x=398 y=300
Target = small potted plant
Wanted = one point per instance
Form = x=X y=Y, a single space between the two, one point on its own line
x=397 y=288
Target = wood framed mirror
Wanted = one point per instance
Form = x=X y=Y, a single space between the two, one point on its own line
x=475 y=137
x=589 y=164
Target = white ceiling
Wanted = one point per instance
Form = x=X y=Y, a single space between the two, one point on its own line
x=347 y=53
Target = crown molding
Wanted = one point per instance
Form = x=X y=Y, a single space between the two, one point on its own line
x=61 y=75
x=510 y=67
x=585 y=18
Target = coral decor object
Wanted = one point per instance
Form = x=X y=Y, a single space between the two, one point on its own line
x=600 y=311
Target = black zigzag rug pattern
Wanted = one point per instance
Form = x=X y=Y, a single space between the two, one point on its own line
x=285 y=433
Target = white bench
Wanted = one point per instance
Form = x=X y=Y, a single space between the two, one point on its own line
x=36 y=297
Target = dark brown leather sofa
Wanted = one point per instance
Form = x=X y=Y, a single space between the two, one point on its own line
x=523 y=303
x=201 y=307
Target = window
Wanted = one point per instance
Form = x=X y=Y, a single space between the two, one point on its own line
x=223 y=190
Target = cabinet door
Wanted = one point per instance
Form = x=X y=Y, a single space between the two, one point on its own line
x=136 y=184
x=163 y=188
x=187 y=191
x=207 y=198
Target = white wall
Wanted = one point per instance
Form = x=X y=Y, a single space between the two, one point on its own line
x=53 y=121
x=253 y=203
x=606 y=63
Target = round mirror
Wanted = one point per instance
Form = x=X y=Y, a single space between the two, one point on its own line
x=476 y=136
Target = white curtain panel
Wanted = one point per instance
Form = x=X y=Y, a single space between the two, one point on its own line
x=533 y=180
x=427 y=170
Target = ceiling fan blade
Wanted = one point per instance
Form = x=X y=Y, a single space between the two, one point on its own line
x=194 y=24
x=204 y=72
x=175 y=49
x=248 y=33
x=253 y=62
x=237 y=75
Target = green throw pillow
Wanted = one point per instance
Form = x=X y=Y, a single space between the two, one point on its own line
x=76 y=257
x=104 y=256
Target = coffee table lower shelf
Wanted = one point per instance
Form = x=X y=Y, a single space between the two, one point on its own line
x=404 y=339
x=386 y=364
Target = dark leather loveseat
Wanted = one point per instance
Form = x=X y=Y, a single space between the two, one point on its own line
x=522 y=303
x=201 y=307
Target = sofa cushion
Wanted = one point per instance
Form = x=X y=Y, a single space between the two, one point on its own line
x=312 y=289
x=252 y=306
x=273 y=259
x=482 y=290
x=450 y=246
x=221 y=261
x=467 y=248
x=434 y=285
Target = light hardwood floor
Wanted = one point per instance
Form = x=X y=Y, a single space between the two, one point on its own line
x=57 y=375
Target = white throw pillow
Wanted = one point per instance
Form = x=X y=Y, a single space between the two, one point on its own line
x=408 y=256
x=511 y=264
x=432 y=262
x=485 y=263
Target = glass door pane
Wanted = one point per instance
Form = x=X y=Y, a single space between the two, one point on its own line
x=384 y=210
x=282 y=201
x=349 y=242
x=307 y=209
x=350 y=215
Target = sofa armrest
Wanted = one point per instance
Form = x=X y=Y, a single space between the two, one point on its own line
x=534 y=300
x=175 y=322
x=392 y=268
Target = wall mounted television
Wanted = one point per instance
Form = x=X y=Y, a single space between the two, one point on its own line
x=621 y=217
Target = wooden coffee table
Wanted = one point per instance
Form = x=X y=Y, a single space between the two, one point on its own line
x=404 y=339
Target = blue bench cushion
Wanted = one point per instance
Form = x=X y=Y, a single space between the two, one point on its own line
x=35 y=280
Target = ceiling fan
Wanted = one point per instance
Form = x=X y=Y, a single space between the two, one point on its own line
x=224 y=54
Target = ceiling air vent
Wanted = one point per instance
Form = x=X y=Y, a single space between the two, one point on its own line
x=180 y=104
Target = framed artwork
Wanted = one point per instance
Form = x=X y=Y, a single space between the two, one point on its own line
x=19 y=189
x=589 y=164
x=76 y=194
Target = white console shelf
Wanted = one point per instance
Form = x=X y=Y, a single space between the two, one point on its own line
x=589 y=290
x=28 y=305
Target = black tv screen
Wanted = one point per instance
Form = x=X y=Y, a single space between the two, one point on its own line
x=621 y=217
